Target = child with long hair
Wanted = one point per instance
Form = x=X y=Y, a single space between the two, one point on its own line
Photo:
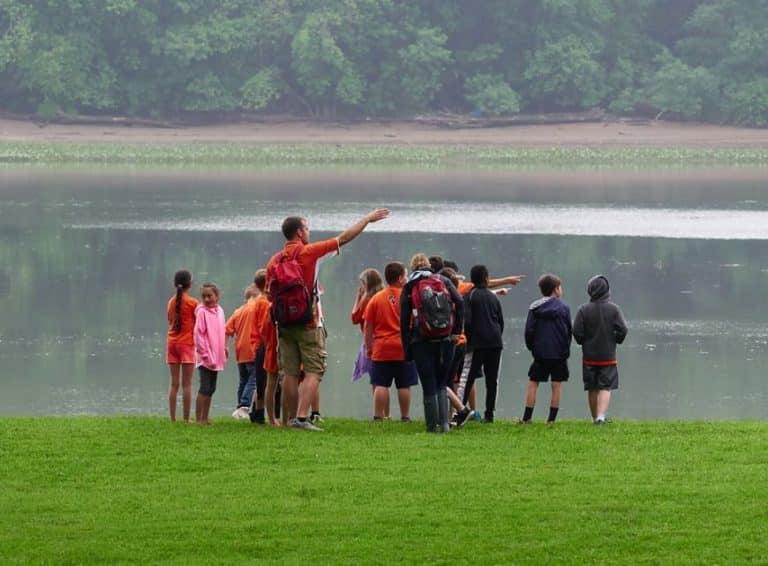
x=370 y=284
x=180 y=344
x=210 y=348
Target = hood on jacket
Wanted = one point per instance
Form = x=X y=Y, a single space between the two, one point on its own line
x=419 y=273
x=598 y=288
x=539 y=302
x=546 y=307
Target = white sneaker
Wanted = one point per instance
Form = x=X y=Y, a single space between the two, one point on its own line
x=240 y=413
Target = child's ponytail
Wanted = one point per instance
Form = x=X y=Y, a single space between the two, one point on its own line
x=182 y=279
x=177 y=311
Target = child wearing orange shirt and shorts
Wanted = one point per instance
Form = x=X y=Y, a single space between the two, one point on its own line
x=385 y=348
x=180 y=343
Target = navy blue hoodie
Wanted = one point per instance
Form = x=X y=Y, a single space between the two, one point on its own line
x=548 y=329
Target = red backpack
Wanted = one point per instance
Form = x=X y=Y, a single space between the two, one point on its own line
x=433 y=307
x=291 y=299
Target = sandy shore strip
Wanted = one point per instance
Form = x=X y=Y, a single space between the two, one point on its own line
x=656 y=134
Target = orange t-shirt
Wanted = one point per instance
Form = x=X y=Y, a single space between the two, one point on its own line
x=383 y=314
x=260 y=312
x=268 y=332
x=308 y=256
x=358 y=315
x=184 y=336
x=465 y=287
x=243 y=324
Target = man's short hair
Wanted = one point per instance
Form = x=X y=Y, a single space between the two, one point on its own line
x=393 y=271
x=548 y=283
x=452 y=264
x=291 y=226
x=436 y=263
x=479 y=275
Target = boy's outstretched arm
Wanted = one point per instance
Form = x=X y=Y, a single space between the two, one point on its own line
x=508 y=280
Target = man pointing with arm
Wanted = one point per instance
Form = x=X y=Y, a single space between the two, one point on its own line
x=302 y=345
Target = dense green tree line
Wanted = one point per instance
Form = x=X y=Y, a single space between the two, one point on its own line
x=689 y=59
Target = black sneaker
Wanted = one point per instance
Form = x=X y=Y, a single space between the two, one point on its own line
x=316 y=418
x=461 y=418
x=256 y=416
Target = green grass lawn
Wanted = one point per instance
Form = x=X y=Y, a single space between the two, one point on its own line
x=361 y=154
x=142 y=490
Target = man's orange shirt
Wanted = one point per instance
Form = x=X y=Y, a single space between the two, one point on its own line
x=383 y=314
x=185 y=335
x=307 y=257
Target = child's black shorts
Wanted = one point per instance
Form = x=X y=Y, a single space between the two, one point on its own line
x=600 y=377
x=403 y=374
x=207 y=381
x=540 y=370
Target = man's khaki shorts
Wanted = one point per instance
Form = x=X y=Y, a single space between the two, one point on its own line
x=302 y=348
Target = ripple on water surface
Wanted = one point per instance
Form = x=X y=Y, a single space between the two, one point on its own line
x=471 y=218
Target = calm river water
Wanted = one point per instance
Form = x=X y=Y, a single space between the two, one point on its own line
x=88 y=257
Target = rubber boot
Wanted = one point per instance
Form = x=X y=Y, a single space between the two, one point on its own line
x=431 y=414
x=256 y=415
x=443 y=410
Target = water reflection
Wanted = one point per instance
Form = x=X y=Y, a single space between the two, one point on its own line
x=82 y=330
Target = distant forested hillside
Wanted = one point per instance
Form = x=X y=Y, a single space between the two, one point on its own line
x=683 y=59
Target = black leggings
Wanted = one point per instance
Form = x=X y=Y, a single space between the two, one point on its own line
x=489 y=360
x=207 y=381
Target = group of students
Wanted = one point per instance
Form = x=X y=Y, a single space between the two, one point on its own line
x=430 y=327
x=198 y=336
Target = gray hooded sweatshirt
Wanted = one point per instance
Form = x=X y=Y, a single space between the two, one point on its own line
x=599 y=325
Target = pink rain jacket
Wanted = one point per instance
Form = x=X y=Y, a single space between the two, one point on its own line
x=210 y=338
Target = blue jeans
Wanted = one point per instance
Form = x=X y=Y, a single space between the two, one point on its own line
x=433 y=362
x=247 y=372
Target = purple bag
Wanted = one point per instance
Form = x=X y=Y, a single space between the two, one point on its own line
x=362 y=364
